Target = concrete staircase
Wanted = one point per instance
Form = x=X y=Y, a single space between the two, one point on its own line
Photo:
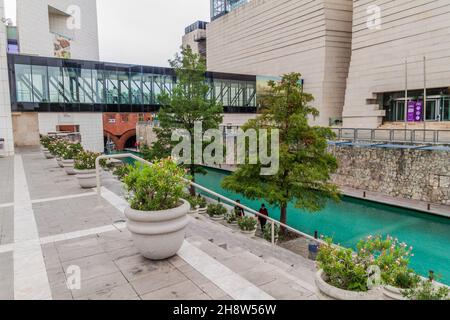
x=280 y=273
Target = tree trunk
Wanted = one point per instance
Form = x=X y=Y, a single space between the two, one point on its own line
x=283 y=218
x=192 y=172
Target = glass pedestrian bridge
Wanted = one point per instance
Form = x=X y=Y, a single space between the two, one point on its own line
x=42 y=84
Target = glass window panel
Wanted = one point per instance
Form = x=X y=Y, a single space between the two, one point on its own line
x=56 y=85
x=446 y=110
x=112 y=87
x=99 y=86
x=24 y=86
x=136 y=88
x=124 y=87
x=40 y=84
x=86 y=86
x=147 y=88
x=431 y=110
x=71 y=89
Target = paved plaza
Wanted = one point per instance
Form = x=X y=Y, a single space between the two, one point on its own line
x=50 y=229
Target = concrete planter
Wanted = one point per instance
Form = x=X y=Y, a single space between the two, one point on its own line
x=86 y=178
x=160 y=234
x=202 y=210
x=249 y=233
x=60 y=163
x=393 y=293
x=193 y=210
x=68 y=167
x=328 y=292
x=217 y=218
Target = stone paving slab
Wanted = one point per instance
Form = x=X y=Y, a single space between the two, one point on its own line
x=6 y=276
x=64 y=216
x=6 y=180
x=6 y=225
x=47 y=180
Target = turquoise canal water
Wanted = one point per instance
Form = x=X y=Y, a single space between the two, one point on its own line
x=352 y=219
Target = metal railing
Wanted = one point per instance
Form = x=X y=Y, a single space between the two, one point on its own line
x=393 y=135
x=214 y=195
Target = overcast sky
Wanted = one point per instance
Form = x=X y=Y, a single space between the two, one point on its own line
x=141 y=31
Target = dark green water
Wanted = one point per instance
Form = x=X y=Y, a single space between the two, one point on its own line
x=352 y=219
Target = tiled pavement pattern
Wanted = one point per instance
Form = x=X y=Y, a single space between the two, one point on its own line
x=111 y=268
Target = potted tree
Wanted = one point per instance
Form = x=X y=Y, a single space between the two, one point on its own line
x=343 y=275
x=85 y=169
x=157 y=215
x=248 y=225
x=68 y=154
x=216 y=211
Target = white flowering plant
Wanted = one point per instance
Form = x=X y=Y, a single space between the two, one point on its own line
x=71 y=151
x=391 y=256
x=85 y=160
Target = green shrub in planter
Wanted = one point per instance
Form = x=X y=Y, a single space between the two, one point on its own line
x=343 y=269
x=267 y=232
x=232 y=217
x=201 y=202
x=46 y=140
x=391 y=256
x=57 y=146
x=155 y=187
x=247 y=223
x=216 y=210
x=71 y=151
x=122 y=171
x=427 y=290
x=85 y=160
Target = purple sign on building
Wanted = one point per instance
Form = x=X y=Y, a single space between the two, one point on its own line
x=415 y=110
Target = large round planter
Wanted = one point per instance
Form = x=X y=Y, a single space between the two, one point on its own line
x=249 y=233
x=393 y=293
x=68 y=167
x=328 y=292
x=87 y=178
x=60 y=162
x=217 y=218
x=160 y=234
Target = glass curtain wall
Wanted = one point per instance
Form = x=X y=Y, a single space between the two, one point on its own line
x=87 y=86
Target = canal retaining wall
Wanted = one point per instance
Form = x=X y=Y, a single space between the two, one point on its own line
x=403 y=173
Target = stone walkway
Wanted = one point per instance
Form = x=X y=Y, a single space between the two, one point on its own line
x=55 y=236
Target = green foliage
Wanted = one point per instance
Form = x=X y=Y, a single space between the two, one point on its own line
x=391 y=256
x=156 y=187
x=122 y=171
x=70 y=150
x=343 y=268
x=232 y=217
x=57 y=146
x=216 y=210
x=267 y=232
x=427 y=290
x=85 y=160
x=247 y=223
x=187 y=104
x=406 y=279
x=46 y=140
x=195 y=201
x=305 y=164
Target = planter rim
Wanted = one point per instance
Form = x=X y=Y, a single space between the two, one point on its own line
x=85 y=171
x=341 y=294
x=159 y=215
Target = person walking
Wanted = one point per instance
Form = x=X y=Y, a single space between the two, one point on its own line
x=238 y=210
x=264 y=212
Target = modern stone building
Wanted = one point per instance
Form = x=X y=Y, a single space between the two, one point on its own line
x=273 y=37
x=351 y=53
x=406 y=30
x=195 y=37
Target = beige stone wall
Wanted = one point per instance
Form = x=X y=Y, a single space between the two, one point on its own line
x=34 y=28
x=409 y=29
x=26 y=129
x=274 y=37
x=410 y=174
x=192 y=39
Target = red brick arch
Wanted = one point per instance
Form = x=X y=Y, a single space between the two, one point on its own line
x=123 y=139
x=111 y=136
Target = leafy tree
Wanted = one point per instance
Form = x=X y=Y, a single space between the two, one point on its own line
x=305 y=165
x=187 y=104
